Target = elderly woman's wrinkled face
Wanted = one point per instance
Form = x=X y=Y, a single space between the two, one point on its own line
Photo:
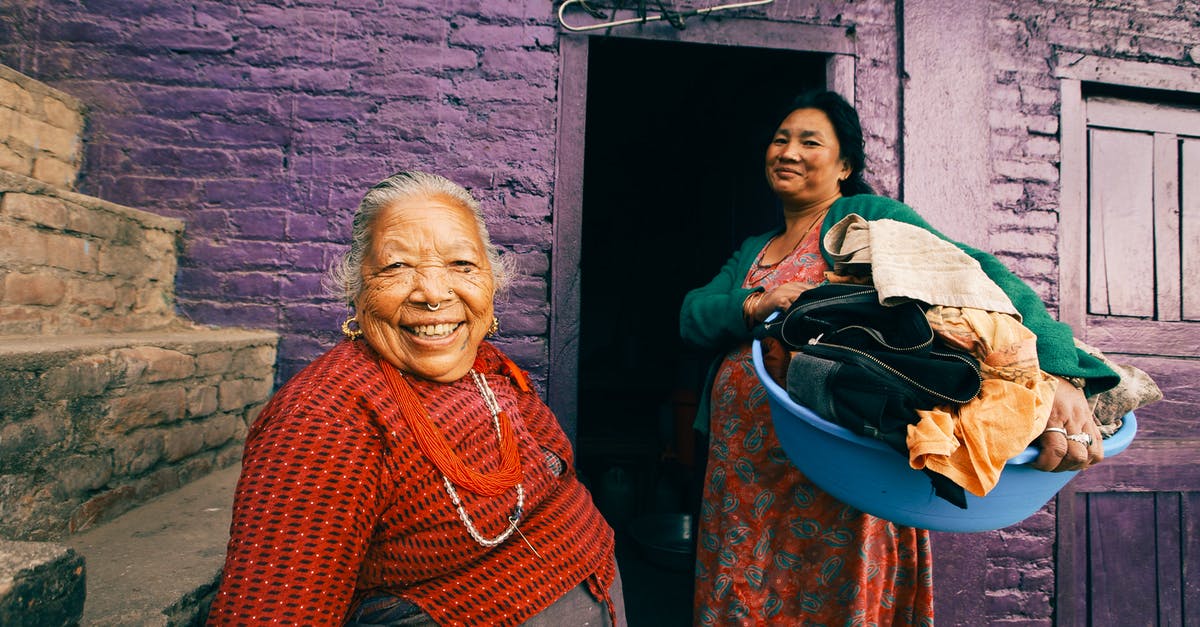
x=804 y=162
x=427 y=292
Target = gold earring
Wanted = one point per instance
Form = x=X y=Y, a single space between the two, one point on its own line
x=351 y=334
x=495 y=328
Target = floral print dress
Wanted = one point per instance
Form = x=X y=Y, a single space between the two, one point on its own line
x=773 y=548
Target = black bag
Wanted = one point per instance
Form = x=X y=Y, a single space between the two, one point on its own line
x=870 y=367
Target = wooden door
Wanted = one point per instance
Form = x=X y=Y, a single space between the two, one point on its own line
x=1129 y=529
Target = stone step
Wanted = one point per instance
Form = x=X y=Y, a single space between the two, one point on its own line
x=41 y=584
x=92 y=426
x=75 y=264
x=159 y=564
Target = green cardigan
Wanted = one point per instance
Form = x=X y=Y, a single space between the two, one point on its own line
x=711 y=316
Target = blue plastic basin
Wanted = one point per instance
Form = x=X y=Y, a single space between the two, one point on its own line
x=870 y=476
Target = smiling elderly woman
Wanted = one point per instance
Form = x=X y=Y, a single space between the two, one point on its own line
x=411 y=475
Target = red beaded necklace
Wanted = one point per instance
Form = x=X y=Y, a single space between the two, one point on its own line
x=434 y=445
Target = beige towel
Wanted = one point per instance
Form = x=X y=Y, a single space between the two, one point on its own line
x=907 y=262
x=1135 y=390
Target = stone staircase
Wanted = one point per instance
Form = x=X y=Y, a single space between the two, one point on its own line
x=121 y=424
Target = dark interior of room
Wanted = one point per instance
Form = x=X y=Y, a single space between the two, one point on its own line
x=673 y=182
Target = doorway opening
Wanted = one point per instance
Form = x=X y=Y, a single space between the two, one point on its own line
x=673 y=182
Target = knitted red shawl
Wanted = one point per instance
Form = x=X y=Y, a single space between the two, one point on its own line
x=336 y=501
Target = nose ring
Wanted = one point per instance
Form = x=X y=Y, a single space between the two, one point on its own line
x=433 y=306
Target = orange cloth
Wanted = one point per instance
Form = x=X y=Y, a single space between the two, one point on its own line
x=970 y=443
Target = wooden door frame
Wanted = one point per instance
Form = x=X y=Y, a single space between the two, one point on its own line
x=567 y=219
x=1150 y=465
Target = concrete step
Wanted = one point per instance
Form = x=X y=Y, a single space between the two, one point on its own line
x=41 y=584
x=160 y=563
x=92 y=426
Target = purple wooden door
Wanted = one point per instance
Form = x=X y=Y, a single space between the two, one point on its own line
x=1129 y=529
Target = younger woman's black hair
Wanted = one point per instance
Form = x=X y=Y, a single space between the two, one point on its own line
x=849 y=133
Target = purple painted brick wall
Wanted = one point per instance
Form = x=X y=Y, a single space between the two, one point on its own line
x=260 y=124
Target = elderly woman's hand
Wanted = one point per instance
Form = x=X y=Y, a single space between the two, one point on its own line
x=1071 y=440
x=762 y=304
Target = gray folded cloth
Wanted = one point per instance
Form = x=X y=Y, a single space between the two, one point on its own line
x=907 y=262
x=1135 y=390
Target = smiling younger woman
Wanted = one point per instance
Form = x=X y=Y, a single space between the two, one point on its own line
x=775 y=549
x=411 y=475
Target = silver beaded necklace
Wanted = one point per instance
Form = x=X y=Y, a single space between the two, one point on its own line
x=493 y=406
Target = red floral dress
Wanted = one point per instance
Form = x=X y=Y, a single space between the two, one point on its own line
x=773 y=548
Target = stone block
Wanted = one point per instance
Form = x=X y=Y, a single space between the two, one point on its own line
x=95 y=293
x=223 y=428
x=14 y=96
x=99 y=224
x=33 y=289
x=125 y=261
x=41 y=584
x=70 y=253
x=20 y=321
x=86 y=376
x=56 y=141
x=184 y=440
x=135 y=453
x=202 y=400
x=147 y=407
x=151 y=364
x=26 y=440
x=14 y=160
x=59 y=114
x=40 y=210
x=213 y=362
x=56 y=171
x=76 y=475
x=238 y=393
x=157 y=242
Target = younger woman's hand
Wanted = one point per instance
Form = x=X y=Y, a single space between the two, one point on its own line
x=1071 y=413
x=777 y=299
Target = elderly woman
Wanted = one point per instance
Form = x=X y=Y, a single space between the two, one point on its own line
x=411 y=475
x=773 y=547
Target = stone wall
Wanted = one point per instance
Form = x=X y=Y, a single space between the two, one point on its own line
x=95 y=426
x=39 y=130
x=71 y=264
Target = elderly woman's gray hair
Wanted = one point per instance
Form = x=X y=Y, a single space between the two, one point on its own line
x=345 y=281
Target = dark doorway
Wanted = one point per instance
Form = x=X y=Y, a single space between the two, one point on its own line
x=673 y=181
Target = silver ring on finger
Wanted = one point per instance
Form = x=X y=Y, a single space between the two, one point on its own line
x=1083 y=438
x=1056 y=430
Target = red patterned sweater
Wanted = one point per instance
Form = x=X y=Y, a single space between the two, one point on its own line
x=335 y=501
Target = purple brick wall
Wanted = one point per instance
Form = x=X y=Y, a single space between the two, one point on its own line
x=260 y=124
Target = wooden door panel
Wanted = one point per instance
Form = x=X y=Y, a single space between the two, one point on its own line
x=1121 y=224
x=1127 y=539
x=1122 y=564
x=1190 y=226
